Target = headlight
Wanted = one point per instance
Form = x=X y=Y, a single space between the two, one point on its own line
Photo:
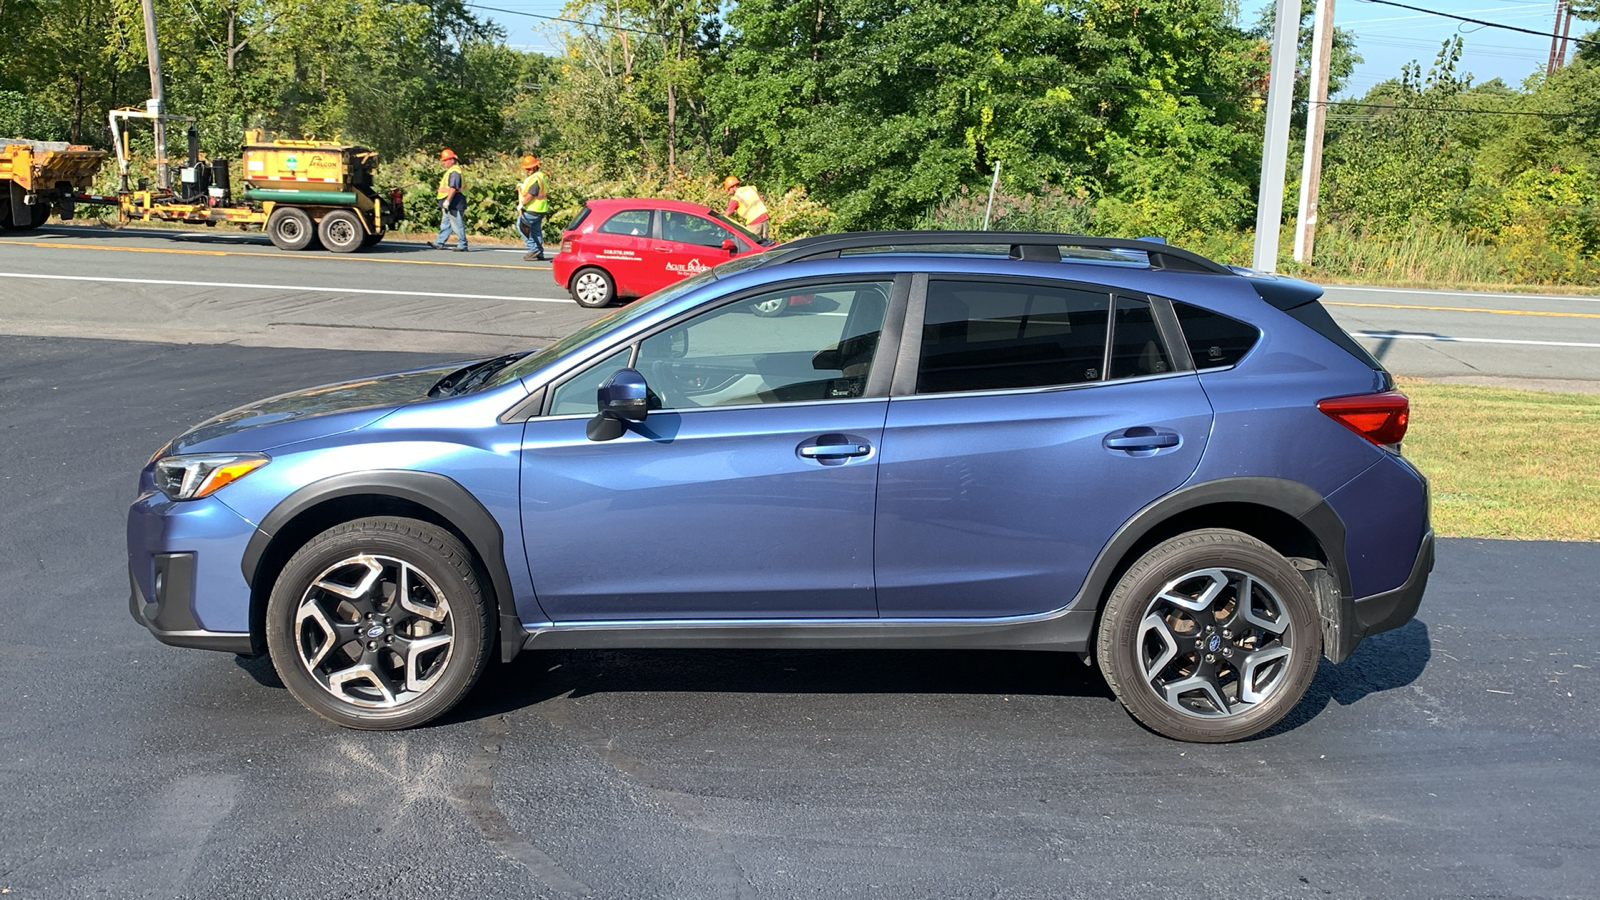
x=193 y=477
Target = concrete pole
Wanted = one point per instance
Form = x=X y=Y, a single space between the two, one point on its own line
x=1305 y=235
x=1275 y=146
x=994 y=184
x=157 y=104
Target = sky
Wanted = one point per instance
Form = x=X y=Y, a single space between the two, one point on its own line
x=1386 y=37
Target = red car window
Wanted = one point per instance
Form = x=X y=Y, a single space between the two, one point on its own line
x=687 y=228
x=634 y=222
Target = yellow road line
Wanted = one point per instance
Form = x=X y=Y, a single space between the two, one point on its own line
x=1468 y=309
x=335 y=256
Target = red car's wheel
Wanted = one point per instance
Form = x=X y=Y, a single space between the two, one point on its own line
x=593 y=287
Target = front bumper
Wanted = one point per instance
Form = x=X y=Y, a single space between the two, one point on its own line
x=185 y=584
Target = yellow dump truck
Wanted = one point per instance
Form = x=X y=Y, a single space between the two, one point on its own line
x=301 y=192
x=38 y=176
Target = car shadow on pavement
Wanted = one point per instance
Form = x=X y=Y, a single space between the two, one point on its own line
x=1380 y=663
x=538 y=676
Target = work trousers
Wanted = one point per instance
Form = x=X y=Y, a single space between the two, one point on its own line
x=451 y=220
x=533 y=231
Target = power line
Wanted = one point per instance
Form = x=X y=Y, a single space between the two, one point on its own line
x=1480 y=21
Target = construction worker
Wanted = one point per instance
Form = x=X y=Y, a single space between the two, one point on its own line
x=746 y=201
x=452 y=203
x=532 y=205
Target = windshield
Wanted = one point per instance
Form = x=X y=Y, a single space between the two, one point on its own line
x=739 y=229
x=533 y=362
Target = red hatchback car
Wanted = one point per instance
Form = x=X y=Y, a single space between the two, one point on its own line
x=632 y=247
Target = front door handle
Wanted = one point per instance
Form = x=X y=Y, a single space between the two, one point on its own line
x=833 y=449
x=1141 y=437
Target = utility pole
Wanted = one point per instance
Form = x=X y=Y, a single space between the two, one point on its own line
x=1275 y=146
x=1555 y=39
x=1566 y=29
x=156 y=105
x=1305 y=236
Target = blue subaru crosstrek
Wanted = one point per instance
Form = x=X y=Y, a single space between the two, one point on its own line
x=1186 y=473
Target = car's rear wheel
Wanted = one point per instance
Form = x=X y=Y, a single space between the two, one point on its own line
x=593 y=287
x=1211 y=636
x=379 y=623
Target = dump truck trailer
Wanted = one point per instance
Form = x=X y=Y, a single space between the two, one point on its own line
x=300 y=192
x=37 y=177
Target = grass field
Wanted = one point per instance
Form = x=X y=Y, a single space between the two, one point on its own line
x=1507 y=463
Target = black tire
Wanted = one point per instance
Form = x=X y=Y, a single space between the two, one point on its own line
x=593 y=287
x=356 y=653
x=24 y=218
x=340 y=230
x=372 y=239
x=290 y=228
x=1175 y=639
x=771 y=307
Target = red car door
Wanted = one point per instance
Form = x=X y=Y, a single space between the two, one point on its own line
x=689 y=245
x=621 y=246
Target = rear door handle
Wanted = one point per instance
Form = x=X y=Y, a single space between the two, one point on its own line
x=833 y=449
x=1141 y=437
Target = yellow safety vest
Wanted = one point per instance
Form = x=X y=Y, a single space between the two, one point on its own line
x=538 y=202
x=750 y=206
x=444 y=182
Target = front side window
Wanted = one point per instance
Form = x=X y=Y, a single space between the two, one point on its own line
x=821 y=347
x=685 y=228
x=635 y=222
x=578 y=393
x=983 y=336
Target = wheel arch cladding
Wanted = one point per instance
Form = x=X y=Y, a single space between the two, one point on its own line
x=1288 y=516
x=425 y=496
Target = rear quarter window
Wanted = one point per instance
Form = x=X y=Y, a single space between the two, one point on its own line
x=1215 y=340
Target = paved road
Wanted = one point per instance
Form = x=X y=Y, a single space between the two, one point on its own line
x=211 y=286
x=1452 y=758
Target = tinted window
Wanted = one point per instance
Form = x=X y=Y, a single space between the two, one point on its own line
x=691 y=229
x=629 y=221
x=1214 y=339
x=1136 y=347
x=982 y=336
x=814 y=343
x=577 y=394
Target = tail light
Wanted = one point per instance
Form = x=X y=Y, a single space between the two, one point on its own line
x=395 y=196
x=1380 y=418
x=566 y=245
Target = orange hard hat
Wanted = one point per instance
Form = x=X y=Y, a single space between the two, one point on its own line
x=446 y=153
x=530 y=162
x=731 y=182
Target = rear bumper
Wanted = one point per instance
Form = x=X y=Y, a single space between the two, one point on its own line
x=1391 y=609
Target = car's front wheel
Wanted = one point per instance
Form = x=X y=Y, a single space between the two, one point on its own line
x=379 y=623
x=1211 y=636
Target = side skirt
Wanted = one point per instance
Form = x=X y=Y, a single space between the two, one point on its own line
x=1067 y=630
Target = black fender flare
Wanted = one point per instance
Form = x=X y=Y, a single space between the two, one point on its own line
x=1292 y=498
x=443 y=495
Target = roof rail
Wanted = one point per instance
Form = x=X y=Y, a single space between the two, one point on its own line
x=1022 y=245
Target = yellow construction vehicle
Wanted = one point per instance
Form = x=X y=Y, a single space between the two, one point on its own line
x=301 y=192
x=38 y=176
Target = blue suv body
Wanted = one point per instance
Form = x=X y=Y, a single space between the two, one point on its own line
x=1187 y=473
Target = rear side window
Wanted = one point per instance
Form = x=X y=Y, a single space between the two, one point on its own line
x=1136 y=347
x=1214 y=340
x=979 y=336
x=582 y=214
x=629 y=221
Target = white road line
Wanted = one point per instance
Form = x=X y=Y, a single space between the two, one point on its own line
x=1429 y=293
x=1466 y=340
x=283 y=287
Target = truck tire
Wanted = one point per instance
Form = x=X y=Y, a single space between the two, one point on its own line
x=23 y=218
x=372 y=240
x=290 y=228
x=341 y=231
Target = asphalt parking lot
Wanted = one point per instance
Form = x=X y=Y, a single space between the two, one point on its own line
x=1452 y=758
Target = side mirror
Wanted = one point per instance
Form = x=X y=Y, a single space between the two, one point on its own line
x=729 y=245
x=624 y=397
